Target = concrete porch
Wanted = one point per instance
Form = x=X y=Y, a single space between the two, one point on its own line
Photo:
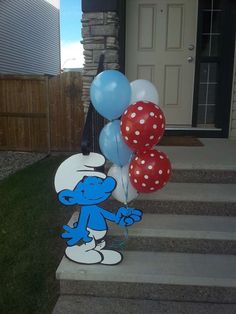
x=181 y=257
x=216 y=154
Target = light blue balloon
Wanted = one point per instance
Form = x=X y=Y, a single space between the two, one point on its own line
x=110 y=94
x=112 y=145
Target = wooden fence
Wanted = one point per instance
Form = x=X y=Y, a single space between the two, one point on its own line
x=38 y=113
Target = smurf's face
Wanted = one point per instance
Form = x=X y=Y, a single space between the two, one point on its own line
x=89 y=191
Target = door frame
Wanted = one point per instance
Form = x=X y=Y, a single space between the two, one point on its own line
x=223 y=106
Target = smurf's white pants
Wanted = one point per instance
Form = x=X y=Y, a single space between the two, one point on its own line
x=96 y=235
x=92 y=252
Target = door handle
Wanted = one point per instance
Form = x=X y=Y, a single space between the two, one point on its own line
x=190 y=59
x=190 y=47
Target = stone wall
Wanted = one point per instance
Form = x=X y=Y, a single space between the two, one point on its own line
x=100 y=34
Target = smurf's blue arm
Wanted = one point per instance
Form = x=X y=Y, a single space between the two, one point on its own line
x=79 y=231
x=108 y=215
x=124 y=216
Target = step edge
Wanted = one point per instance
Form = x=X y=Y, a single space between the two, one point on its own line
x=157 y=280
x=178 y=234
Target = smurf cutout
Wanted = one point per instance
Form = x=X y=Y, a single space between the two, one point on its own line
x=77 y=182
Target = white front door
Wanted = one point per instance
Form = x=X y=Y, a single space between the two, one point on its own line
x=160 y=47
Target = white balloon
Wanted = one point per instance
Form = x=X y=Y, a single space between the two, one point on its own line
x=124 y=191
x=143 y=90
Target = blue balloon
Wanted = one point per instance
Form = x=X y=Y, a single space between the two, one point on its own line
x=110 y=94
x=112 y=144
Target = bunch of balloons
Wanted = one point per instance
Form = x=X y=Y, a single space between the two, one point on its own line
x=136 y=125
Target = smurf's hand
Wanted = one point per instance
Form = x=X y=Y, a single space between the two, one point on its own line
x=75 y=235
x=128 y=216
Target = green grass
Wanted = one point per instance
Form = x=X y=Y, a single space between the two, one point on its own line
x=31 y=221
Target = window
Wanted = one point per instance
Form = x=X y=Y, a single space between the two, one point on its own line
x=209 y=61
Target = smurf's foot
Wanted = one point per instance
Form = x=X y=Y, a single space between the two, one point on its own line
x=84 y=255
x=111 y=257
x=79 y=255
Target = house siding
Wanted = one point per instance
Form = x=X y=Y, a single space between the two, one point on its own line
x=29 y=37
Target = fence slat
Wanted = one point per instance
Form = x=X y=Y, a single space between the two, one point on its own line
x=23 y=114
x=66 y=111
x=38 y=113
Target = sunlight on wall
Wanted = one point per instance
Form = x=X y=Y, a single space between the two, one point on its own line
x=55 y=3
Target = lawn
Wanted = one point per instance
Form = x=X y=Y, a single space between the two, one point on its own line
x=30 y=246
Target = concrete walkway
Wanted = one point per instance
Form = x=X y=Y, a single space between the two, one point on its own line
x=94 y=305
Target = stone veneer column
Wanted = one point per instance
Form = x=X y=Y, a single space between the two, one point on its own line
x=100 y=34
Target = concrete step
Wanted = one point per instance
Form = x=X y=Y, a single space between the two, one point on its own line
x=174 y=233
x=154 y=276
x=194 y=192
x=200 y=175
x=212 y=163
x=203 y=176
x=189 y=198
x=178 y=233
x=68 y=304
x=216 y=154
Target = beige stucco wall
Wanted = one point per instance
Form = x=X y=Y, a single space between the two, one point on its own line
x=232 y=131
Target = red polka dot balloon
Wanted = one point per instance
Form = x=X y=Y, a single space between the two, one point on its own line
x=149 y=171
x=142 y=125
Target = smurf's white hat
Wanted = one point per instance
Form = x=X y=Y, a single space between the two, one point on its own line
x=74 y=168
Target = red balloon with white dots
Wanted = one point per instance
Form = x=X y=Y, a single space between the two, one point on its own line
x=149 y=171
x=142 y=125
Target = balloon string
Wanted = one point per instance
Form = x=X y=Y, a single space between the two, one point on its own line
x=116 y=242
x=119 y=244
x=124 y=186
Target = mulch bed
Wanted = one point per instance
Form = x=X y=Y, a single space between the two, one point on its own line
x=10 y=161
